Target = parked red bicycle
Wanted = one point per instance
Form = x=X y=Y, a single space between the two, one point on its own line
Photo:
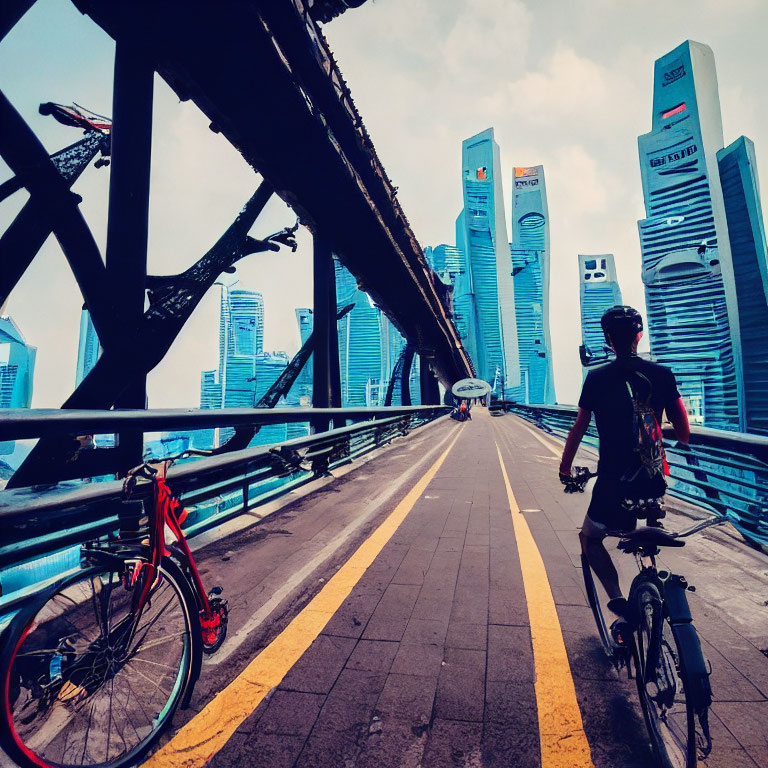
x=93 y=669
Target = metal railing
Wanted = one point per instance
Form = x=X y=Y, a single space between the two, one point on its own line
x=725 y=472
x=52 y=521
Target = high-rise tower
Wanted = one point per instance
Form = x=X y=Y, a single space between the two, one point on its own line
x=599 y=291
x=482 y=235
x=88 y=349
x=303 y=384
x=688 y=271
x=17 y=368
x=359 y=344
x=746 y=231
x=530 y=267
x=241 y=338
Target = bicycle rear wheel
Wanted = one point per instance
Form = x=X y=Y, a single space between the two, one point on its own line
x=662 y=685
x=87 y=679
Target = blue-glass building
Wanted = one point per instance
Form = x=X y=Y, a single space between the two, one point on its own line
x=88 y=348
x=688 y=272
x=359 y=334
x=392 y=346
x=303 y=385
x=746 y=232
x=241 y=338
x=268 y=367
x=17 y=369
x=531 y=268
x=599 y=291
x=490 y=325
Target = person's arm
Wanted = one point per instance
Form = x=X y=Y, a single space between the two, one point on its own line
x=574 y=440
x=678 y=416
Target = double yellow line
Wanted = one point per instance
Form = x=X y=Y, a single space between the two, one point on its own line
x=562 y=738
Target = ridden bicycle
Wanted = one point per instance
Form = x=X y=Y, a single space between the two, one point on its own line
x=658 y=638
x=94 y=667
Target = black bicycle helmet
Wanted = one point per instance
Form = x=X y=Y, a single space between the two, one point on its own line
x=621 y=318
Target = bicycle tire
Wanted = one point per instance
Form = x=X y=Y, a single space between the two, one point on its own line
x=593 y=600
x=662 y=683
x=86 y=684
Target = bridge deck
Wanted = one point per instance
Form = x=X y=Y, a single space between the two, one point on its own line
x=429 y=659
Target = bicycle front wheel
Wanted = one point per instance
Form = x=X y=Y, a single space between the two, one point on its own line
x=662 y=685
x=88 y=678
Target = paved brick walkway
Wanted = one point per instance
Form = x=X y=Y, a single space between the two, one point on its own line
x=429 y=661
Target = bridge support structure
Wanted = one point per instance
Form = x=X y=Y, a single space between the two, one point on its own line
x=128 y=227
x=430 y=391
x=326 y=373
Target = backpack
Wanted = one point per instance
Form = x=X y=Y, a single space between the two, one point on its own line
x=645 y=479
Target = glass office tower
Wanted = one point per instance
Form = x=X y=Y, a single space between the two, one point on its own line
x=359 y=344
x=17 y=369
x=599 y=291
x=530 y=266
x=88 y=348
x=392 y=345
x=268 y=367
x=241 y=338
x=490 y=325
x=746 y=231
x=303 y=385
x=17 y=366
x=692 y=318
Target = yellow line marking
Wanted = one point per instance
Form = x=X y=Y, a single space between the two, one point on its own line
x=561 y=730
x=206 y=733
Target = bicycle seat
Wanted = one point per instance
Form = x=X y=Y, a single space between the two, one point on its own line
x=646 y=536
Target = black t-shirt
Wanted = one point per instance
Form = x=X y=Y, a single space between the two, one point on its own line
x=605 y=393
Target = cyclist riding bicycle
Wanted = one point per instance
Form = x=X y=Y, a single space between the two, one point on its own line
x=627 y=397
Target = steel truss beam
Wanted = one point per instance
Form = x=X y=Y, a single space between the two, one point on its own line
x=172 y=301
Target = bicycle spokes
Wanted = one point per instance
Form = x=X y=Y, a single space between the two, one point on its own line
x=92 y=679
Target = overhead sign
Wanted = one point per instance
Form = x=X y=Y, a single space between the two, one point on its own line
x=466 y=389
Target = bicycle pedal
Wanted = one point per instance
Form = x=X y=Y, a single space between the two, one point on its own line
x=214 y=591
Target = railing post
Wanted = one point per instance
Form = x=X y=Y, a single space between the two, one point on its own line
x=326 y=382
x=128 y=226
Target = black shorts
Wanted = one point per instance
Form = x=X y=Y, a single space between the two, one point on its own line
x=605 y=507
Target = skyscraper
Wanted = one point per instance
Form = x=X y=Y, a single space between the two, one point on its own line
x=359 y=344
x=688 y=272
x=300 y=394
x=268 y=367
x=17 y=368
x=303 y=385
x=599 y=291
x=530 y=267
x=241 y=338
x=490 y=325
x=392 y=346
x=88 y=349
x=746 y=231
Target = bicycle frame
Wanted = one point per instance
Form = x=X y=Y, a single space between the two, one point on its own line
x=168 y=513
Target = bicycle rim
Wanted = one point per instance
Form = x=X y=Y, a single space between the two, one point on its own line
x=661 y=686
x=89 y=680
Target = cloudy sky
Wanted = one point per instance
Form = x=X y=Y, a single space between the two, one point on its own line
x=566 y=85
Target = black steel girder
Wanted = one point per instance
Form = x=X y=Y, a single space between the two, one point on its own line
x=263 y=75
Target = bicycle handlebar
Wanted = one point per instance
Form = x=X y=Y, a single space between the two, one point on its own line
x=575 y=483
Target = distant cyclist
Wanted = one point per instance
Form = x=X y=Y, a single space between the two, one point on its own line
x=627 y=397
